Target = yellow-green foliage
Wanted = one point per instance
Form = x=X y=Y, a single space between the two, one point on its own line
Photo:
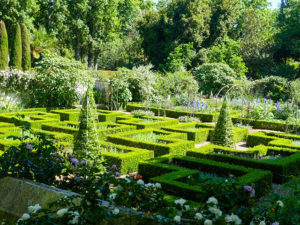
x=16 y=51
x=3 y=46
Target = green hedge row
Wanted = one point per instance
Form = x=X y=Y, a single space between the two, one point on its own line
x=103 y=129
x=281 y=168
x=35 y=119
x=73 y=115
x=201 y=132
x=265 y=138
x=204 y=117
x=172 y=171
x=268 y=125
x=6 y=142
x=146 y=122
x=173 y=143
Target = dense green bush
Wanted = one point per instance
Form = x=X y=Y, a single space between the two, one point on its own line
x=228 y=53
x=58 y=82
x=273 y=87
x=16 y=51
x=3 y=46
x=26 y=54
x=214 y=76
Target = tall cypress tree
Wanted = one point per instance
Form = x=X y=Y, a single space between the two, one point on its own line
x=223 y=133
x=3 y=46
x=16 y=51
x=26 y=57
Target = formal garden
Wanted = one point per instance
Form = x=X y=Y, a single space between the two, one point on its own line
x=141 y=112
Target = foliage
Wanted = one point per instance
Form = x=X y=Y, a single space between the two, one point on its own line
x=212 y=77
x=186 y=119
x=180 y=58
x=86 y=141
x=3 y=46
x=57 y=82
x=16 y=51
x=273 y=87
x=26 y=53
x=140 y=113
x=38 y=160
x=228 y=53
x=295 y=87
x=223 y=133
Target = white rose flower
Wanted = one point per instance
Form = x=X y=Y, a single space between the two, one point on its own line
x=177 y=219
x=140 y=182
x=113 y=196
x=116 y=211
x=180 y=201
x=158 y=185
x=149 y=185
x=127 y=179
x=187 y=207
x=236 y=219
x=207 y=222
x=25 y=216
x=262 y=223
x=212 y=200
x=280 y=203
x=34 y=209
x=198 y=216
x=61 y=212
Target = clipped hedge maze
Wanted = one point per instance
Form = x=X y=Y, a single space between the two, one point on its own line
x=173 y=171
x=161 y=142
x=201 y=132
x=282 y=162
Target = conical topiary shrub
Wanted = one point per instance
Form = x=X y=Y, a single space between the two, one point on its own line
x=3 y=46
x=86 y=141
x=26 y=57
x=223 y=133
x=16 y=51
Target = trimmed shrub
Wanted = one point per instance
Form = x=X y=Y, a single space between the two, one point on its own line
x=3 y=46
x=26 y=54
x=223 y=133
x=86 y=140
x=16 y=51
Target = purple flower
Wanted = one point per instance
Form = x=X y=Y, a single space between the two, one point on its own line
x=248 y=188
x=54 y=154
x=29 y=147
x=275 y=223
x=198 y=104
x=114 y=167
x=117 y=174
x=277 y=105
x=70 y=156
x=74 y=162
x=252 y=193
x=83 y=162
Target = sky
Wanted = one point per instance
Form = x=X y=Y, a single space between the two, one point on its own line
x=275 y=3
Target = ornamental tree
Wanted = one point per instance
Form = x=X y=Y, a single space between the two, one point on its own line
x=223 y=133
x=3 y=46
x=26 y=57
x=86 y=141
x=16 y=51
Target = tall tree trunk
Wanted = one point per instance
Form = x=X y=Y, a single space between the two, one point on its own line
x=90 y=59
x=77 y=53
x=96 y=61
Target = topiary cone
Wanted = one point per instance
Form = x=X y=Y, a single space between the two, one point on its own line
x=26 y=57
x=223 y=133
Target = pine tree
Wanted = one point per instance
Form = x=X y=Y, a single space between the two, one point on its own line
x=3 y=46
x=223 y=133
x=16 y=51
x=26 y=57
x=86 y=141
